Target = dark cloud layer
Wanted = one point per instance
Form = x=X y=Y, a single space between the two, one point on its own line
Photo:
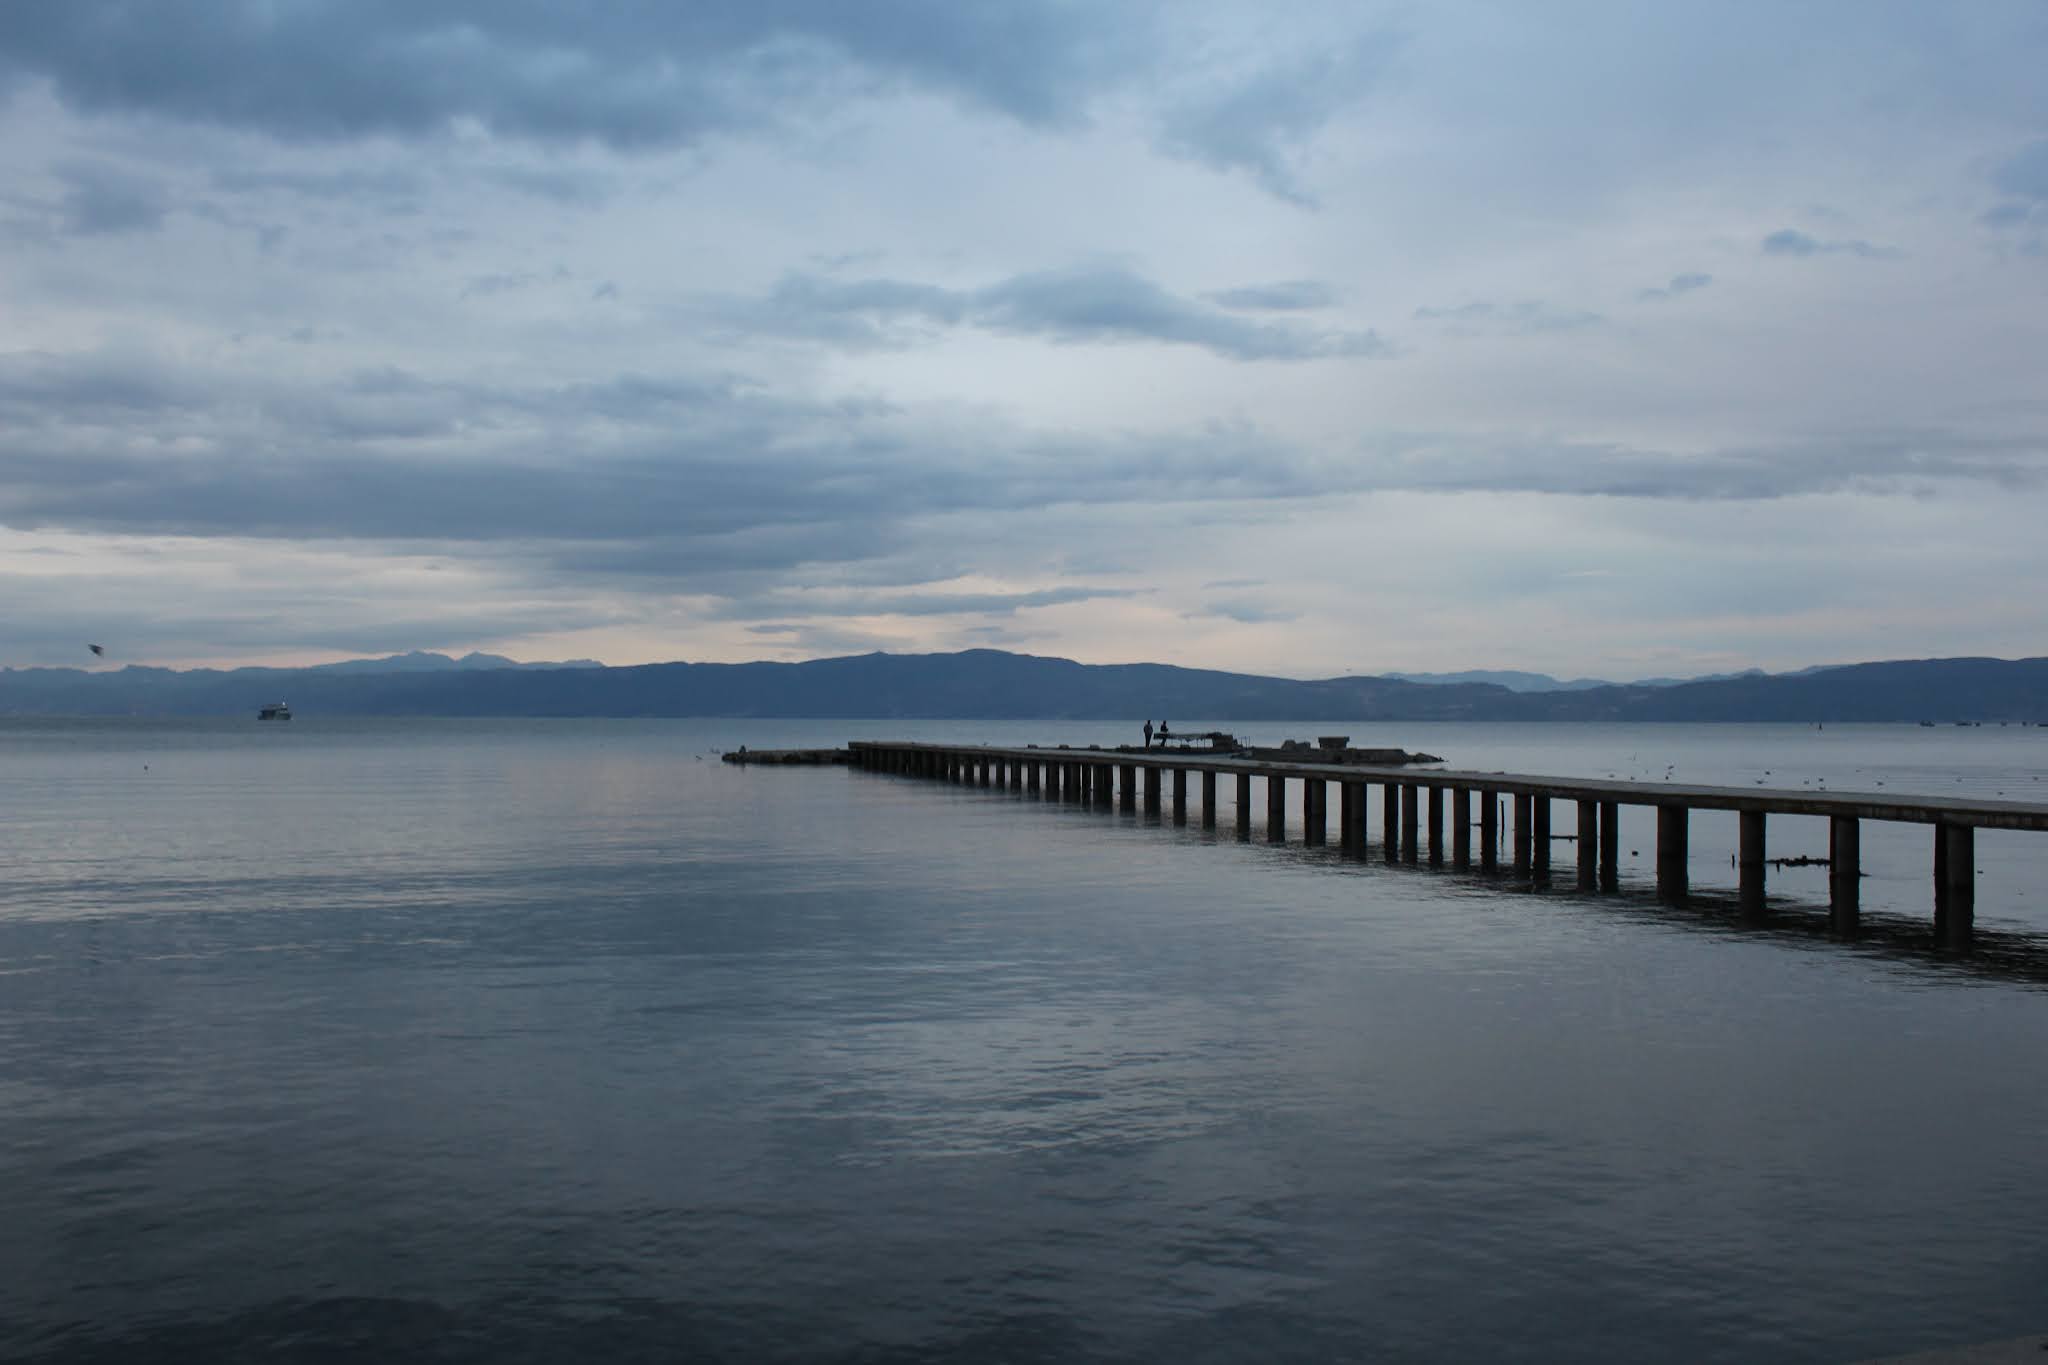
x=1085 y=304
x=1792 y=242
x=628 y=75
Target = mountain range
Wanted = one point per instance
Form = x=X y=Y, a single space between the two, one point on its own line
x=989 y=684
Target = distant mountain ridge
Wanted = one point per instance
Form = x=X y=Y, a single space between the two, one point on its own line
x=992 y=684
x=422 y=661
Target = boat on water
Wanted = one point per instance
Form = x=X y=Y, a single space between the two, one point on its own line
x=275 y=711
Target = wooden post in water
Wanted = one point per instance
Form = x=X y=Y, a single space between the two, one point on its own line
x=1411 y=833
x=1672 y=828
x=1031 y=779
x=1390 y=820
x=1151 y=791
x=1589 y=845
x=1489 y=831
x=1244 y=805
x=1180 y=796
x=1750 y=863
x=1129 y=776
x=1105 y=784
x=1523 y=841
x=1610 y=846
x=1276 y=808
x=1436 y=826
x=1208 y=798
x=1539 y=834
x=1845 y=873
x=1347 y=816
x=1315 y=814
x=1955 y=871
x=1461 y=828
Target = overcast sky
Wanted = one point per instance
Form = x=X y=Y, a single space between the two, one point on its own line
x=1613 y=339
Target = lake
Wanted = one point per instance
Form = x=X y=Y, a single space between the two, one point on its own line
x=488 y=1040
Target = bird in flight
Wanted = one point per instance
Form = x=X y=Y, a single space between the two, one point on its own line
x=100 y=650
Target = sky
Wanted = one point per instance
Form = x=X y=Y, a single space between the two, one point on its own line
x=1596 y=339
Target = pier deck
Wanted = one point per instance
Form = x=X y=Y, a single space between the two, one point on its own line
x=1414 y=804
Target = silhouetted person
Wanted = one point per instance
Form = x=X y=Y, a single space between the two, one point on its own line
x=1162 y=734
x=1148 y=734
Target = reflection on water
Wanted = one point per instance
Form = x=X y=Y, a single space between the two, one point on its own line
x=489 y=1041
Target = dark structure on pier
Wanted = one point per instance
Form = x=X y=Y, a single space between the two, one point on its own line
x=1415 y=806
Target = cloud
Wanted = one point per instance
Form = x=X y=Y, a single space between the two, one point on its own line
x=1791 y=242
x=1255 y=122
x=1880 y=462
x=631 y=76
x=1081 y=305
x=1246 y=613
x=1281 y=297
x=1680 y=284
x=2025 y=175
x=842 y=603
x=1531 y=315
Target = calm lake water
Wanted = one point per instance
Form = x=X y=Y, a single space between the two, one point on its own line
x=540 y=1041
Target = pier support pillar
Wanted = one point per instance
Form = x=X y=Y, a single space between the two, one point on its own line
x=1749 y=861
x=1436 y=826
x=1208 y=798
x=1461 y=828
x=1673 y=825
x=1031 y=779
x=1105 y=784
x=1276 y=809
x=1610 y=846
x=1315 y=811
x=1539 y=835
x=1151 y=791
x=1955 y=884
x=1244 y=805
x=1347 y=816
x=1845 y=873
x=1359 y=791
x=1589 y=845
x=1523 y=841
x=1411 y=833
x=1180 y=796
x=1128 y=780
x=1390 y=820
x=1489 y=831
x=1016 y=776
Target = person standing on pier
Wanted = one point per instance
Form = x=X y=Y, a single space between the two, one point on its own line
x=1148 y=734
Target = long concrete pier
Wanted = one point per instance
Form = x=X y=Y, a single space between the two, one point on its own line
x=1414 y=805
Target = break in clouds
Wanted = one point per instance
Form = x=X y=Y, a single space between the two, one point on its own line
x=726 y=331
